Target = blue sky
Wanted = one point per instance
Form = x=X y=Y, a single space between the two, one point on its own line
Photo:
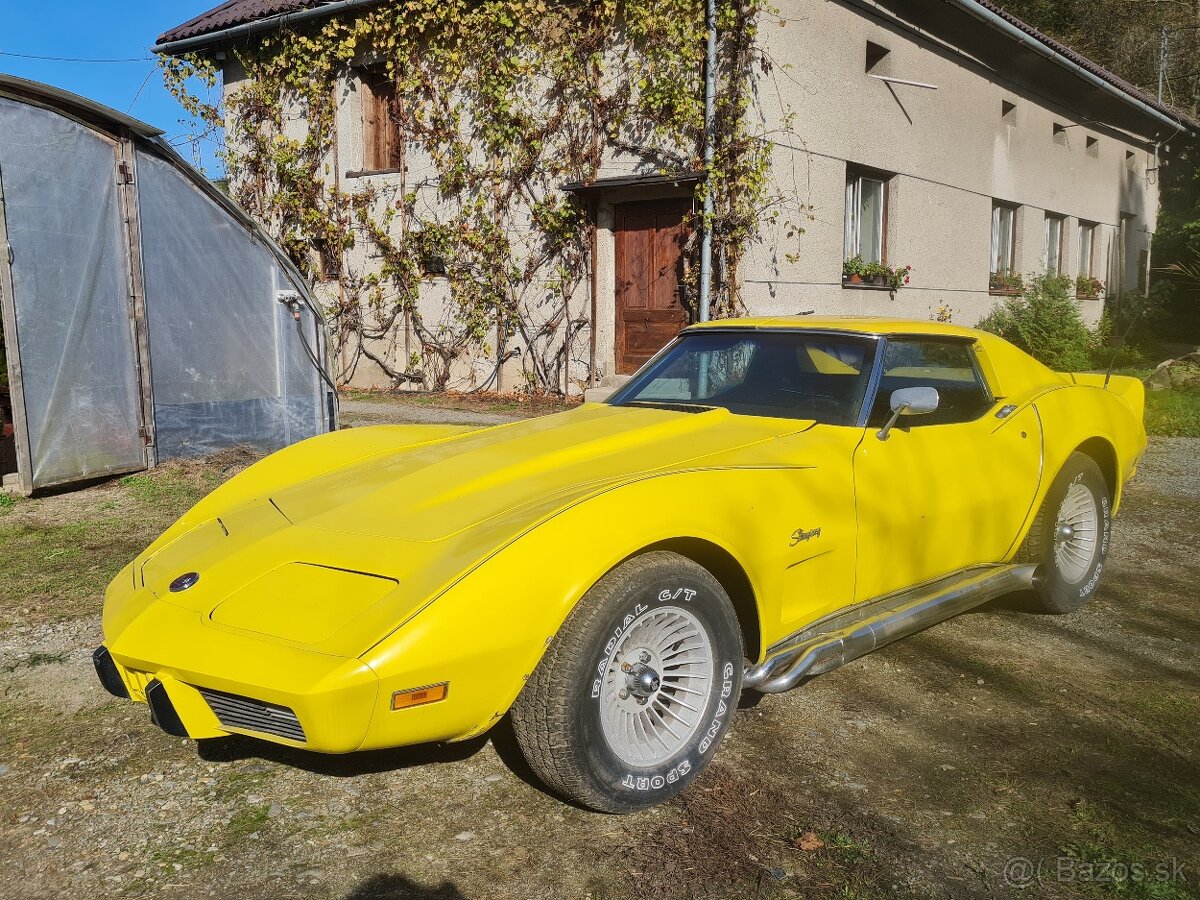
x=98 y=30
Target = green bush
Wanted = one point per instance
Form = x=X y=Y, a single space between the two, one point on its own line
x=1045 y=322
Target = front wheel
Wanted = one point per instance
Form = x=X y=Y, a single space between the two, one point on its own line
x=636 y=689
x=1068 y=540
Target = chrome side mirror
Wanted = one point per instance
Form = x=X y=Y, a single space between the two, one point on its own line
x=913 y=401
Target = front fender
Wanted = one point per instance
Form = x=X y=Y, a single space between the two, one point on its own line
x=487 y=633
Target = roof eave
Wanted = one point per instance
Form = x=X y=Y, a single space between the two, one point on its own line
x=210 y=39
x=1164 y=115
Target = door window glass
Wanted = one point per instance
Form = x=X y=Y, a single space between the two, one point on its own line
x=945 y=365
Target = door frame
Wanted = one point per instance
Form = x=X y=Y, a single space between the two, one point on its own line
x=599 y=199
x=123 y=172
x=12 y=350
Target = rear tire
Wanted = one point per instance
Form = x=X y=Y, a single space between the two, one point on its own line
x=637 y=688
x=1068 y=540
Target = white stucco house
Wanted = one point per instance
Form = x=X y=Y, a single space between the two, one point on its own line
x=944 y=135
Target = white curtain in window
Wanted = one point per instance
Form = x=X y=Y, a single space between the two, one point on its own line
x=1087 y=240
x=1002 y=234
x=851 y=242
x=1052 y=251
x=864 y=218
x=870 y=238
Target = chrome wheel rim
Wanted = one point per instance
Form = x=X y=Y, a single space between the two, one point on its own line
x=1075 y=533
x=657 y=682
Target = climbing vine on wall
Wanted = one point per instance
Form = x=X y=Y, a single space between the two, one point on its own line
x=498 y=102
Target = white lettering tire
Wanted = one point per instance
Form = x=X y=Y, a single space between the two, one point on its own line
x=637 y=689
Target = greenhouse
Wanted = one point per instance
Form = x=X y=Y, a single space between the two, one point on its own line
x=145 y=317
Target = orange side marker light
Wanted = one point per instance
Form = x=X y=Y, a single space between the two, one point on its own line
x=431 y=693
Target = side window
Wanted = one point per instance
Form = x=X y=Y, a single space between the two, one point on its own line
x=946 y=365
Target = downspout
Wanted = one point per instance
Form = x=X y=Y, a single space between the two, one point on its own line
x=185 y=45
x=710 y=102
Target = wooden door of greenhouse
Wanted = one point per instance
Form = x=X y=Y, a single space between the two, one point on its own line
x=650 y=237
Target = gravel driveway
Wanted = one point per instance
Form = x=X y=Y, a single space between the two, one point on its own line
x=923 y=770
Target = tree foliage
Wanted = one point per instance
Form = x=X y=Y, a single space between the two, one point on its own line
x=1046 y=323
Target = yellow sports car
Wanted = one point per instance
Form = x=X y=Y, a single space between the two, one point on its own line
x=764 y=501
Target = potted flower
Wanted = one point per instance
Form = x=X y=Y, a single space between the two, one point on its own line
x=875 y=274
x=853 y=270
x=1006 y=283
x=1088 y=287
x=898 y=277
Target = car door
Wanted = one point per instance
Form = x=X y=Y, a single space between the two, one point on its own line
x=945 y=490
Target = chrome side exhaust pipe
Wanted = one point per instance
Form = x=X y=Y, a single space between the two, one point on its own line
x=847 y=635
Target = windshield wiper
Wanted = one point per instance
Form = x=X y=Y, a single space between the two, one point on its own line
x=665 y=404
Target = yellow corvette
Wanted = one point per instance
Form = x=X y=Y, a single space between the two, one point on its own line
x=765 y=500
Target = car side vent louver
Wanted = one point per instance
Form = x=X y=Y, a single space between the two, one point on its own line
x=253 y=715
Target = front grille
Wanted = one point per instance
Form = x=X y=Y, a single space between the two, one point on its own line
x=253 y=715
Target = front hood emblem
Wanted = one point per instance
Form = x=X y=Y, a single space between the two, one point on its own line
x=184 y=581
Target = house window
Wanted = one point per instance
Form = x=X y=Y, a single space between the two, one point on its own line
x=329 y=262
x=1004 y=276
x=1053 y=244
x=866 y=216
x=1059 y=133
x=1008 y=112
x=1087 y=249
x=382 y=148
x=1093 y=146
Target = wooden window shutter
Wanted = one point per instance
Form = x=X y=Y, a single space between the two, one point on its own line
x=382 y=148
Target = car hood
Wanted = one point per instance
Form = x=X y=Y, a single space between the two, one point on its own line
x=335 y=561
x=436 y=491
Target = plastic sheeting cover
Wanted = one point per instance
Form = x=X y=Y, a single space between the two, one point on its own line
x=70 y=282
x=226 y=361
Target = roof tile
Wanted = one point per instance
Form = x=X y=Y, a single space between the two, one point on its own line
x=234 y=12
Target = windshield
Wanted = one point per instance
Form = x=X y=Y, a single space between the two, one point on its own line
x=792 y=375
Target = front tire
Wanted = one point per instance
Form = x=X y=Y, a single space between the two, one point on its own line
x=1068 y=541
x=636 y=689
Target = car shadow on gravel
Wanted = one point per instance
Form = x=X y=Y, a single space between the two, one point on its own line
x=236 y=748
x=393 y=886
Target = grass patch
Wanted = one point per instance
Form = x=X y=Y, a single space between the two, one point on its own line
x=38 y=658
x=247 y=820
x=7 y=502
x=1173 y=413
x=176 y=487
x=1169 y=413
x=1120 y=872
x=186 y=858
x=60 y=571
x=848 y=849
x=61 y=551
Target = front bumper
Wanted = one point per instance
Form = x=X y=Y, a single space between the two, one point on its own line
x=221 y=682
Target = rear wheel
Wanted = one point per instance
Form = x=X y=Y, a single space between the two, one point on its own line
x=637 y=689
x=1068 y=540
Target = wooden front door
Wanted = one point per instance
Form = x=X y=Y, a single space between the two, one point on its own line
x=650 y=261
